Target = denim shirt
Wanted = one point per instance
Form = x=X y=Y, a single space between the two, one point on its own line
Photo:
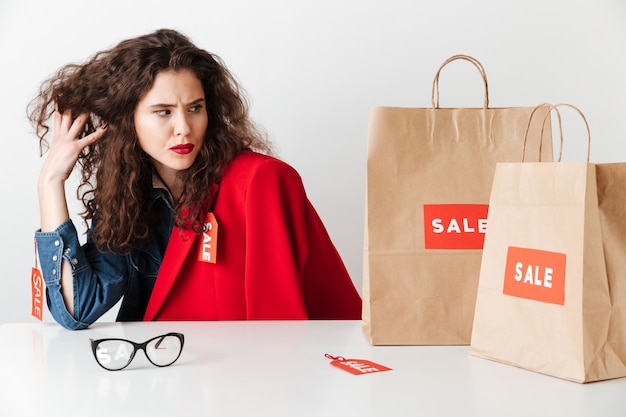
x=100 y=277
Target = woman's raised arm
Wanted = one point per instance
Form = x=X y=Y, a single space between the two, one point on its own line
x=63 y=154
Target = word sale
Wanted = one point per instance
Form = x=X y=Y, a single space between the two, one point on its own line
x=534 y=275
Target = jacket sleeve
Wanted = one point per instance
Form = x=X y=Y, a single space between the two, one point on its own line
x=292 y=268
x=99 y=278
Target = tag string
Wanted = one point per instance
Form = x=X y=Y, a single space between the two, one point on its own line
x=35 y=247
x=335 y=358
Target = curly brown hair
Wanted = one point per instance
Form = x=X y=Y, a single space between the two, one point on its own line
x=116 y=174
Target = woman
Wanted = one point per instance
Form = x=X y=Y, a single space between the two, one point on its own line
x=190 y=216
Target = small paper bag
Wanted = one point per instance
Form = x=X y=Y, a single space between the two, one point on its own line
x=552 y=289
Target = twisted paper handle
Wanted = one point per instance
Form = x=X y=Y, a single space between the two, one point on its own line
x=555 y=107
x=475 y=62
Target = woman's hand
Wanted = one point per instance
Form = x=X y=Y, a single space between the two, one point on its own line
x=66 y=147
x=62 y=156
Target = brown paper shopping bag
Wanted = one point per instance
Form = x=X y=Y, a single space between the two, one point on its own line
x=552 y=289
x=429 y=174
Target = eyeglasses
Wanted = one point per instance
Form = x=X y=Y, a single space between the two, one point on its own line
x=117 y=354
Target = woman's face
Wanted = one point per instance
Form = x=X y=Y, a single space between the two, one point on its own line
x=171 y=120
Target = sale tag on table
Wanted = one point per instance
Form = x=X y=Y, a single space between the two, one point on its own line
x=356 y=366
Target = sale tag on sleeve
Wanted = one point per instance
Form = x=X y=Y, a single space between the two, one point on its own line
x=36 y=282
x=356 y=366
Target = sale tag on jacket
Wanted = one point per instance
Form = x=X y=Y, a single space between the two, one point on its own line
x=208 y=246
x=36 y=282
x=535 y=274
x=455 y=226
x=356 y=366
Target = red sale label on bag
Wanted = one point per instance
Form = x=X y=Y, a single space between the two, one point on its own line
x=535 y=274
x=455 y=226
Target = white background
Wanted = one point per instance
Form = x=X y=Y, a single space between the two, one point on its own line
x=312 y=69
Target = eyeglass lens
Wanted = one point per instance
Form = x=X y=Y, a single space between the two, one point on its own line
x=163 y=350
x=116 y=354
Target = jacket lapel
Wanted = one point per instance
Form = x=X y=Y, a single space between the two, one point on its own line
x=176 y=253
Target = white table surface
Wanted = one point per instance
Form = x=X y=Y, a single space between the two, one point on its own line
x=275 y=369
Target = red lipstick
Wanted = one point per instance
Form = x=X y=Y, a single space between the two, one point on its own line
x=182 y=149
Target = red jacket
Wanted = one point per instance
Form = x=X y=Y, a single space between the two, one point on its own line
x=274 y=257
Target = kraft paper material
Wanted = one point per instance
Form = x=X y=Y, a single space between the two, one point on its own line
x=577 y=210
x=434 y=157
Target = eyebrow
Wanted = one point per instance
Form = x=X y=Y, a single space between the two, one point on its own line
x=167 y=105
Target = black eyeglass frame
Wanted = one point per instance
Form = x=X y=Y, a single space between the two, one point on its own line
x=136 y=347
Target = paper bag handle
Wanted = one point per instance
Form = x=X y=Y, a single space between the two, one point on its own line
x=555 y=107
x=477 y=64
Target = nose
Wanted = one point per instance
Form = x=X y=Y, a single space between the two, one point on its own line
x=182 y=126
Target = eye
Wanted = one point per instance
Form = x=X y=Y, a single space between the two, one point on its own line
x=196 y=108
x=164 y=112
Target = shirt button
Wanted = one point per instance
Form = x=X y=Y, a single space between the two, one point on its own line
x=68 y=251
x=55 y=258
x=54 y=272
x=74 y=261
x=57 y=243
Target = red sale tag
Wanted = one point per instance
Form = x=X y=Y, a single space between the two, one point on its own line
x=37 y=293
x=208 y=246
x=356 y=366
